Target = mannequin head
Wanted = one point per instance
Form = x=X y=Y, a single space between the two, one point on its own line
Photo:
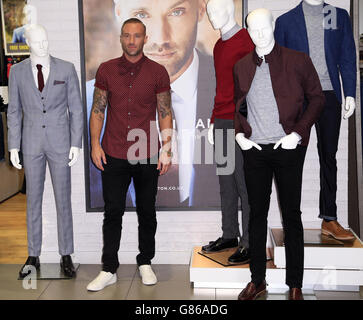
x=37 y=40
x=314 y=2
x=261 y=29
x=221 y=14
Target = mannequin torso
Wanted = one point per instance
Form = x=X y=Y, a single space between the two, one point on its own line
x=261 y=30
x=339 y=52
x=234 y=44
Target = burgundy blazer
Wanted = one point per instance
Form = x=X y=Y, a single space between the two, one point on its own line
x=293 y=78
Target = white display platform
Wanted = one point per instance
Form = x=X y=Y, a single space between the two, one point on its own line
x=205 y=273
x=347 y=257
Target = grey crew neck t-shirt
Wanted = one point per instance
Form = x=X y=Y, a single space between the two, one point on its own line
x=314 y=20
x=263 y=114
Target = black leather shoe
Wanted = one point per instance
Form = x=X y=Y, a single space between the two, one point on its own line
x=67 y=266
x=241 y=256
x=220 y=245
x=31 y=261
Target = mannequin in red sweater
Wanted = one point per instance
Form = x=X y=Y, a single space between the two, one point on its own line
x=233 y=45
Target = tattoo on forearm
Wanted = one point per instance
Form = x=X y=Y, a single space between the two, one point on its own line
x=99 y=103
x=164 y=104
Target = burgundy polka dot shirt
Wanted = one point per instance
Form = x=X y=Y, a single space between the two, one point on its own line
x=132 y=103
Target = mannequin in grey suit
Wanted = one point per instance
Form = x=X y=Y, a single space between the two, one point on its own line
x=45 y=116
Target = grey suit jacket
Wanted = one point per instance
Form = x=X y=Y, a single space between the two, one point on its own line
x=55 y=113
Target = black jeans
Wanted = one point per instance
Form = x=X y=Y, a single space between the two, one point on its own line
x=327 y=131
x=115 y=181
x=287 y=167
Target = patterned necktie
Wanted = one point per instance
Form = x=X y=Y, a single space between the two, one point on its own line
x=40 y=78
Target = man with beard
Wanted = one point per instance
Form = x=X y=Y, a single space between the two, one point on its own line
x=172 y=29
x=133 y=88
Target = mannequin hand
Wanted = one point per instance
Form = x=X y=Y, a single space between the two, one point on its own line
x=164 y=162
x=73 y=155
x=288 y=142
x=14 y=158
x=210 y=134
x=349 y=107
x=245 y=143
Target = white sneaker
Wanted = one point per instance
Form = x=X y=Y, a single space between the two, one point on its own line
x=147 y=274
x=103 y=280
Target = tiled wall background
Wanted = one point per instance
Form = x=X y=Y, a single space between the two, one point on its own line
x=179 y=231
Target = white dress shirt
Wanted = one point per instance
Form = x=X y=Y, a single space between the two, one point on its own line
x=184 y=102
x=45 y=70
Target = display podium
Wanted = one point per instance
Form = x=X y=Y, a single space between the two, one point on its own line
x=329 y=265
x=51 y=271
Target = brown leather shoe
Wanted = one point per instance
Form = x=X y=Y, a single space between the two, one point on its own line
x=295 y=294
x=251 y=292
x=334 y=229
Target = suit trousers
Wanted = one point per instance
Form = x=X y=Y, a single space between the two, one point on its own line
x=116 y=179
x=287 y=168
x=232 y=186
x=35 y=168
x=327 y=131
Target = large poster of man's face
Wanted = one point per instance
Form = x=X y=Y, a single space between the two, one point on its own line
x=181 y=38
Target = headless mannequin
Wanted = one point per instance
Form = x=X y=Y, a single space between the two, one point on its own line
x=261 y=30
x=39 y=54
x=350 y=104
x=221 y=16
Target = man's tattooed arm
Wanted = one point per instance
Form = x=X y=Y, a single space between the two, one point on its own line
x=164 y=104
x=165 y=119
x=99 y=103
x=97 y=114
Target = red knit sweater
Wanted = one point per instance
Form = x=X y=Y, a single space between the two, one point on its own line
x=226 y=54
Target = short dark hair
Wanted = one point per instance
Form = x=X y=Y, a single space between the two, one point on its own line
x=133 y=20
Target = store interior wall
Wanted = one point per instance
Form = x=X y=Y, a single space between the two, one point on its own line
x=178 y=232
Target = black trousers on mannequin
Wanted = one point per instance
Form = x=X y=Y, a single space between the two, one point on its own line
x=116 y=179
x=286 y=166
x=327 y=131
